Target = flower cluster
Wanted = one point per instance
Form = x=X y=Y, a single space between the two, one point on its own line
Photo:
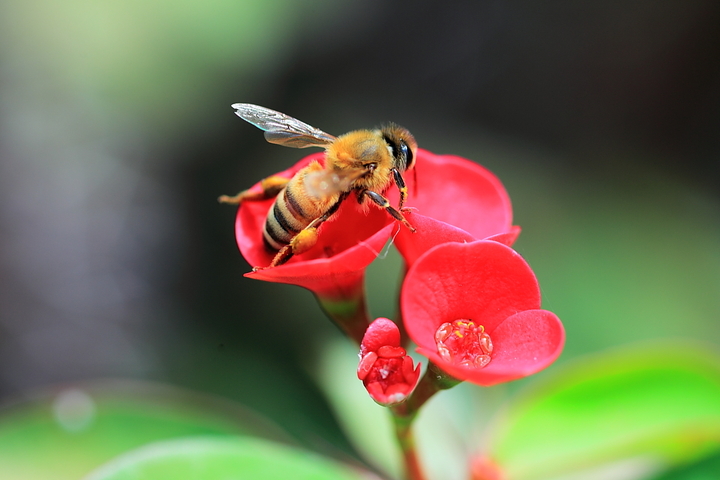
x=468 y=301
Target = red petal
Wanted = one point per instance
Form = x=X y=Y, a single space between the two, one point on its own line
x=461 y=193
x=507 y=238
x=382 y=332
x=397 y=389
x=386 y=351
x=394 y=394
x=429 y=233
x=464 y=201
x=525 y=343
x=366 y=364
x=411 y=375
x=376 y=392
x=483 y=281
x=347 y=244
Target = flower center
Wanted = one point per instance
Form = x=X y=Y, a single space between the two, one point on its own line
x=464 y=343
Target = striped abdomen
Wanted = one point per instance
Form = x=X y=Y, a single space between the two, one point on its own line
x=285 y=219
x=296 y=207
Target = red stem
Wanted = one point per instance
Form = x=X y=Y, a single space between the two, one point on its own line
x=405 y=437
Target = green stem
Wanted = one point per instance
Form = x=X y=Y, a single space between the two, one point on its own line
x=406 y=439
x=349 y=314
x=404 y=414
x=432 y=382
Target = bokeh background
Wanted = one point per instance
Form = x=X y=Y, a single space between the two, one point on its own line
x=117 y=136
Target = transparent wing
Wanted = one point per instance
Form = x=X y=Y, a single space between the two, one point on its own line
x=282 y=129
x=322 y=183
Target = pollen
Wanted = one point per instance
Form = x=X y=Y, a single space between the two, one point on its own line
x=464 y=343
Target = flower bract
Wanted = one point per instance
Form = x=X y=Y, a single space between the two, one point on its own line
x=474 y=310
x=333 y=267
x=454 y=199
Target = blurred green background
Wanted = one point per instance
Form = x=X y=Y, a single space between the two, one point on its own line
x=117 y=136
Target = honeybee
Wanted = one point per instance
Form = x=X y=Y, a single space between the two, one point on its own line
x=362 y=162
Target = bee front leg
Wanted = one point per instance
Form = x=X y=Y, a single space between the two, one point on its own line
x=400 y=183
x=271 y=186
x=383 y=202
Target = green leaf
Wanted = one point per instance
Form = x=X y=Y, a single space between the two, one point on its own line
x=66 y=434
x=706 y=469
x=208 y=458
x=634 y=412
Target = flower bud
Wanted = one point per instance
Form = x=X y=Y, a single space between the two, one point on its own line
x=385 y=369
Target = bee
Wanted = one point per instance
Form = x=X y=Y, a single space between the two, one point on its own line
x=363 y=163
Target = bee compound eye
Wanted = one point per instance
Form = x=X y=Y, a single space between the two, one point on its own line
x=404 y=150
x=407 y=154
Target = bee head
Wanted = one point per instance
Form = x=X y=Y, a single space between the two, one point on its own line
x=402 y=144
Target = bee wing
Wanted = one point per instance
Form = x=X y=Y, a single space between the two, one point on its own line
x=282 y=129
x=322 y=183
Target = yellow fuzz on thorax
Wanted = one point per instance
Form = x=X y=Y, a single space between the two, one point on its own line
x=312 y=205
x=354 y=151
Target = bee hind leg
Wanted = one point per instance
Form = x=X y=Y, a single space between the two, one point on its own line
x=300 y=243
x=305 y=239
x=383 y=202
x=271 y=186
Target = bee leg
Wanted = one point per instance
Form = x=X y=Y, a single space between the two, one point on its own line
x=300 y=243
x=271 y=186
x=400 y=183
x=383 y=202
x=305 y=238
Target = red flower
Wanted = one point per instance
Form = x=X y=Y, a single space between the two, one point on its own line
x=334 y=267
x=455 y=200
x=447 y=188
x=466 y=202
x=385 y=369
x=473 y=310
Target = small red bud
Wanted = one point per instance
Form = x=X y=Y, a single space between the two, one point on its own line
x=385 y=369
